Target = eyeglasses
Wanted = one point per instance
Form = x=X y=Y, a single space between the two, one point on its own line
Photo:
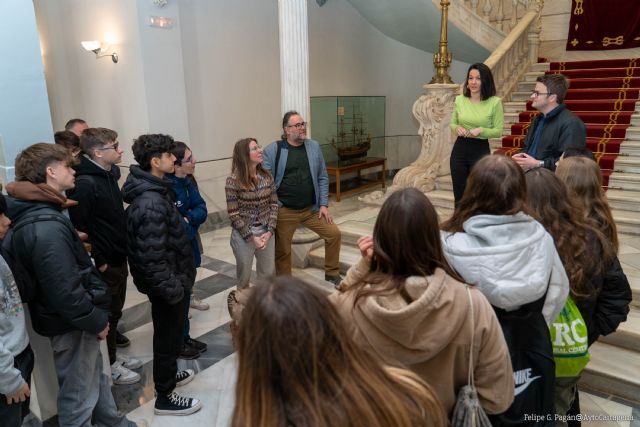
x=535 y=93
x=299 y=125
x=111 y=147
x=256 y=148
x=188 y=159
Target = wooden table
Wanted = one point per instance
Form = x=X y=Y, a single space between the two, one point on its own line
x=357 y=165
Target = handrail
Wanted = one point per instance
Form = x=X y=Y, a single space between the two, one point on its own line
x=510 y=60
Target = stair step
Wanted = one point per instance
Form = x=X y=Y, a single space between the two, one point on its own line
x=514 y=106
x=349 y=255
x=627 y=221
x=540 y=67
x=353 y=230
x=628 y=333
x=444 y=183
x=624 y=181
x=633 y=133
x=613 y=370
x=634 y=283
x=627 y=164
x=526 y=86
x=630 y=148
x=441 y=198
x=624 y=200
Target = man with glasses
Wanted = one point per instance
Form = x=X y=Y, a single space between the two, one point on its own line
x=100 y=214
x=302 y=183
x=555 y=129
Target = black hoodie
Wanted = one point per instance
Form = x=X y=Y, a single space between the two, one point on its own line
x=100 y=211
x=160 y=256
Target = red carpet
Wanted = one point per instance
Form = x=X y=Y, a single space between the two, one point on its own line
x=603 y=94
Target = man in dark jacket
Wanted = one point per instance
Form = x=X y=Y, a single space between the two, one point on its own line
x=161 y=264
x=100 y=214
x=555 y=129
x=67 y=299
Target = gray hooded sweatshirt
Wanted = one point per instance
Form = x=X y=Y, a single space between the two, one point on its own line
x=511 y=259
x=13 y=333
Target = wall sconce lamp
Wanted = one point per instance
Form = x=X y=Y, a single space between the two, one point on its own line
x=97 y=47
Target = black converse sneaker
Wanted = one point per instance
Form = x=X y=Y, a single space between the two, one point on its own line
x=184 y=377
x=174 y=404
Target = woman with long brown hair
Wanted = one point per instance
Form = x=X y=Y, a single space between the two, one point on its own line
x=583 y=179
x=297 y=367
x=494 y=244
x=252 y=204
x=403 y=302
x=599 y=288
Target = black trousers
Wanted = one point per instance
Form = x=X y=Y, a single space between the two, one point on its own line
x=12 y=415
x=115 y=276
x=465 y=153
x=168 y=325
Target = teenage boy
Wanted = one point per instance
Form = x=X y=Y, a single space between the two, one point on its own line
x=161 y=264
x=100 y=214
x=16 y=357
x=66 y=297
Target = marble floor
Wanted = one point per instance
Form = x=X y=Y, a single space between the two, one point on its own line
x=216 y=368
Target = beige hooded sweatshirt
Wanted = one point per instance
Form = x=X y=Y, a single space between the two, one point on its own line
x=432 y=335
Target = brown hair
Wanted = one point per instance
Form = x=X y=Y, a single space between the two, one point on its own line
x=67 y=139
x=298 y=367
x=574 y=237
x=406 y=242
x=94 y=138
x=583 y=179
x=32 y=162
x=496 y=186
x=556 y=84
x=240 y=164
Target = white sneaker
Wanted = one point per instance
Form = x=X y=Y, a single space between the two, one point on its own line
x=121 y=375
x=129 y=362
x=198 y=304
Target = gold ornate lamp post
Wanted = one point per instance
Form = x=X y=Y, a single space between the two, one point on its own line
x=442 y=59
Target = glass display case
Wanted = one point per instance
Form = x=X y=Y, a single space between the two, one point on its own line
x=349 y=129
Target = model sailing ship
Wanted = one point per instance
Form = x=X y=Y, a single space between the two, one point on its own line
x=354 y=142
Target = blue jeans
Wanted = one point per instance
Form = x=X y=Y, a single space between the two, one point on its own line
x=85 y=397
x=12 y=415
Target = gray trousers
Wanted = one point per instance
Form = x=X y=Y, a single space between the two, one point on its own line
x=85 y=397
x=244 y=253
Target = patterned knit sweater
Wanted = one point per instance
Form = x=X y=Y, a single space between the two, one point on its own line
x=258 y=205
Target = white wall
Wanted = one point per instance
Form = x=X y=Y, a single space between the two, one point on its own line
x=103 y=93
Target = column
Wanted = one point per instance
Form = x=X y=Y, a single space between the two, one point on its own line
x=294 y=56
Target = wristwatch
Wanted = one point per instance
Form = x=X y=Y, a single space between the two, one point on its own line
x=541 y=163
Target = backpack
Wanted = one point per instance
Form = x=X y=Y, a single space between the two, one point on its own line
x=25 y=279
x=528 y=339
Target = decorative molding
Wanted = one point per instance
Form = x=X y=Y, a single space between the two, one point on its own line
x=321 y=2
x=161 y=3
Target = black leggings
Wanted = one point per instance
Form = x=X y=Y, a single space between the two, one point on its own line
x=465 y=153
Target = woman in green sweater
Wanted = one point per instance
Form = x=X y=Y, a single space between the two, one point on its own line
x=477 y=116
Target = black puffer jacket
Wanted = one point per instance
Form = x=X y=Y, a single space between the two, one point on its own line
x=100 y=211
x=609 y=307
x=68 y=293
x=160 y=256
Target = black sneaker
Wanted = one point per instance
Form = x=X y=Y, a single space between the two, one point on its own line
x=184 y=377
x=198 y=345
x=174 y=404
x=335 y=280
x=121 y=340
x=188 y=352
